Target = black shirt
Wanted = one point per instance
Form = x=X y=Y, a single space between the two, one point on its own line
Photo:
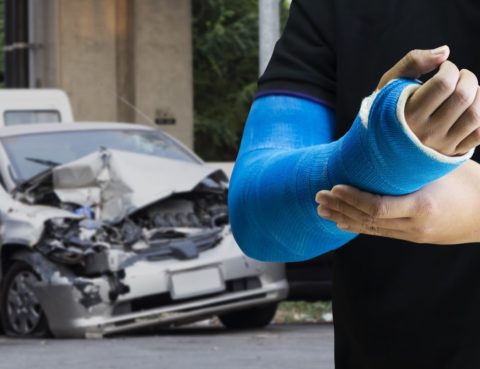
x=396 y=304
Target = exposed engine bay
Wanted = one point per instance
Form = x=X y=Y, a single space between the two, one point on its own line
x=110 y=229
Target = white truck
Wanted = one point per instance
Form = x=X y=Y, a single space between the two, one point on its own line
x=25 y=106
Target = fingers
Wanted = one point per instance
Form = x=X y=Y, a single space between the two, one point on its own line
x=444 y=112
x=333 y=208
x=450 y=111
x=376 y=206
x=416 y=63
x=473 y=140
x=394 y=221
x=466 y=130
x=346 y=216
x=355 y=227
x=352 y=220
x=428 y=98
x=446 y=100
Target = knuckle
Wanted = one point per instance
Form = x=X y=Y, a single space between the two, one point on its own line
x=463 y=96
x=385 y=78
x=423 y=233
x=473 y=112
x=366 y=219
x=379 y=209
x=372 y=229
x=425 y=206
x=424 y=136
x=451 y=68
x=356 y=201
x=445 y=84
x=412 y=116
x=450 y=151
x=339 y=205
x=428 y=137
x=472 y=140
x=368 y=222
x=413 y=58
x=465 y=73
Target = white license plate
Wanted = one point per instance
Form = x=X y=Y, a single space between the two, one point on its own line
x=196 y=282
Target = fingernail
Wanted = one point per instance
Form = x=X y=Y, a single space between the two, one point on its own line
x=342 y=226
x=440 y=50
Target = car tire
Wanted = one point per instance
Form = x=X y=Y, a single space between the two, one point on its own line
x=255 y=317
x=20 y=311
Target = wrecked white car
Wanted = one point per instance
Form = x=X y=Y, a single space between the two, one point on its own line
x=110 y=227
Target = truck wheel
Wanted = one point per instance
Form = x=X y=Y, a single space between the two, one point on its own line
x=21 y=313
x=255 y=317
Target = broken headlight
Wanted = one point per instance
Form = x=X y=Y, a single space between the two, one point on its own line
x=70 y=241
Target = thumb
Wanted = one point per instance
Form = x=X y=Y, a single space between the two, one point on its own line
x=416 y=63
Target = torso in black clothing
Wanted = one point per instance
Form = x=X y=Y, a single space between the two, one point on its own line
x=396 y=304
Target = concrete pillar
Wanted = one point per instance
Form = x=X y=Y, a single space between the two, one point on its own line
x=87 y=57
x=108 y=54
x=268 y=30
x=163 y=65
x=125 y=59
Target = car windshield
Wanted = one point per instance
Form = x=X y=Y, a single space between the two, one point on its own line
x=33 y=153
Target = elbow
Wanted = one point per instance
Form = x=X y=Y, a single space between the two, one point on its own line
x=239 y=213
x=244 y=221
x=253 y=231
x=270 y=226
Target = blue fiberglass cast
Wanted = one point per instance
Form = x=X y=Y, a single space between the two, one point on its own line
x=287 y=156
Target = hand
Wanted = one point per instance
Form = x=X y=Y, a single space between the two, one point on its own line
x=444 y=113
x=446 y=211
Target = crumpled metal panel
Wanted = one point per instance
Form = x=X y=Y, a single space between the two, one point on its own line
x=120 y=182
x=22 y=223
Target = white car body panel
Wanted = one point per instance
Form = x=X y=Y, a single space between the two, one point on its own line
x=110 y=294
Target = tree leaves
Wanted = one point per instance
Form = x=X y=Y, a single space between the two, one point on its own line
x=225 y=62
x=225 y=59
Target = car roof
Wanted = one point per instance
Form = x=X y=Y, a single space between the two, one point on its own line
x=64 y=127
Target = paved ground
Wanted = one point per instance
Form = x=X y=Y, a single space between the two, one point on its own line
x=279 y=346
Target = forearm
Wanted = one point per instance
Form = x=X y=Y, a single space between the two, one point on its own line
x=281 y=166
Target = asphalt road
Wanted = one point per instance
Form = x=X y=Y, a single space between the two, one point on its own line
x=278 y=346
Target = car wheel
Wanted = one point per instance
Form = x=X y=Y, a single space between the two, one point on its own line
x=256 y=317
x=21 y=313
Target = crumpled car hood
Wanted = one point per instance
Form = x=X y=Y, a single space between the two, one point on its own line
x=122 y=182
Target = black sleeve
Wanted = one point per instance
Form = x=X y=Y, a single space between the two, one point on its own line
x=303 y=61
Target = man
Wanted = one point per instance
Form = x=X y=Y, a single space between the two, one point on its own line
x=396 y=303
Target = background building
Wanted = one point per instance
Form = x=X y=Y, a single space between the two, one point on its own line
x=106 y=54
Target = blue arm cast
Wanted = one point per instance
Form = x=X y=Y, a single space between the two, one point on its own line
x=287 y=156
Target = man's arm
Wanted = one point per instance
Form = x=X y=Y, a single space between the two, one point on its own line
x=284 y=160
x=444 y=212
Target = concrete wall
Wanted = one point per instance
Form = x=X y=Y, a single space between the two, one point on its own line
x=163 y=84
x=140 y=50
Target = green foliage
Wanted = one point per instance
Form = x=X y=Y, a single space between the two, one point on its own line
x=225 y=45
x=303 y=312
x=225 y=62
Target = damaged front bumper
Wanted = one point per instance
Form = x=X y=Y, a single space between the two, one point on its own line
x=157 y=292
